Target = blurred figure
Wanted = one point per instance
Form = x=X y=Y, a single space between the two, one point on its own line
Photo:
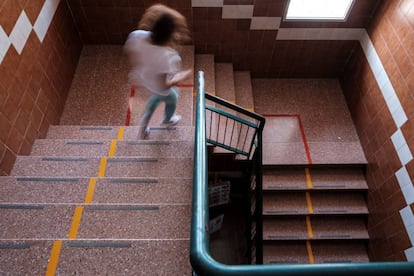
x=155 y=63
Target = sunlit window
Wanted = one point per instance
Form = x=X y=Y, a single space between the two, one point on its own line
x=318 y=9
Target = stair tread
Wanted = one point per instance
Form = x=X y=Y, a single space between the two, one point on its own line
x=88 y=257
x=224 y=79
x=285 y=253
x=296 y=252
x=296 y=228
x=295 y=203
x=143 y=190
x=100 y=147
x=320 y=178
x=340 y=251
x=205 y=63
x=91 y=132
x=243 y=89
x=91 y=166
x=99 y=221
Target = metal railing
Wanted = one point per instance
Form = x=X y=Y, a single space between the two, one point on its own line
x=231 y=127
x=204 y=264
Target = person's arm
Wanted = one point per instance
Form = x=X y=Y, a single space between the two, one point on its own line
x=178 y=77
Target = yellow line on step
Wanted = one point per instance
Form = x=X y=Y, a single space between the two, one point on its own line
x=112 y=148
x=54 y=258
x=309 y=203
x=90 y=191
x=251 y=109
x=121 y=133
x=309 y=226
x=310 y=252
x=73 y=232
x=102 y=167
x=308 y=178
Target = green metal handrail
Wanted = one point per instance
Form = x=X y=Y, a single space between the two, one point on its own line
x=203 y=263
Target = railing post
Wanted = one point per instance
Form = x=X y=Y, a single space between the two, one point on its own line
x=259 y=200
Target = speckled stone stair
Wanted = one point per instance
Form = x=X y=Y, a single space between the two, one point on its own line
x=309 y=211
x=184 y=133
x=113 y=203
x=243 y=89
x=91 y=148
x=205 y=63
x=79 y=166
x=297 y=252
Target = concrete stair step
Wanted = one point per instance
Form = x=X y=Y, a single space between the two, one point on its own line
x=224 y=78
x=319 y=178
x=91 y=257
x=205 y=63
x=185 y=133
x=225 y=89
x=305 y=252
x=318 y=203
x=285 y=252
x=349 y=251
x=323 y=228
x=244 y=90
x=98 y=221
x=128 y=190
x=90 y=148
x=109 y=167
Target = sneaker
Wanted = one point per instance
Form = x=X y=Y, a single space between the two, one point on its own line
x=144 y=132
x=173 y=121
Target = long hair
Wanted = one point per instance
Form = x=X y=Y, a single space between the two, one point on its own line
x=155 y=19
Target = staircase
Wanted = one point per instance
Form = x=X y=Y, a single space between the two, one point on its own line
x=96 y=200
x=93 y=199
x=311 y=213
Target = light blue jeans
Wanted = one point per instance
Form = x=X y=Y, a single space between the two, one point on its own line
x=170 y=105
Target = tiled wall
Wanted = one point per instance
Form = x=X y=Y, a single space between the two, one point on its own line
x=39 y=50
x=379 y=86
x=249 y=33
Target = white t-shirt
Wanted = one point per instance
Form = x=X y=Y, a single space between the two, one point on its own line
x=150 y=63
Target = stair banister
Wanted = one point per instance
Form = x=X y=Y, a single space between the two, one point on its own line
x=204 y=264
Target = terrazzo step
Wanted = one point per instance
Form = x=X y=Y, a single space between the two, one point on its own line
x=224 y=78
x=302 y=252
x=243 y=89
x=98 y=221
x=90 y=148
x=318 y=203
x=315 y=228
x=225 y=89
x=123 y=190
x=205 y=63
x=319 y=178
x=184 y=133
x=109 y=167
x=92 y=257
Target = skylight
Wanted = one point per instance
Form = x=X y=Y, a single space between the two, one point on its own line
x=318 y=9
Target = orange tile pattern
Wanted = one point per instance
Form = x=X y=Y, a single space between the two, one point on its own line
x=392 y=33
x=34 y=84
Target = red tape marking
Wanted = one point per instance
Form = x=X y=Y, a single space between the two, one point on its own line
x=129 y=111
x=185 y=85
x=302 y=132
